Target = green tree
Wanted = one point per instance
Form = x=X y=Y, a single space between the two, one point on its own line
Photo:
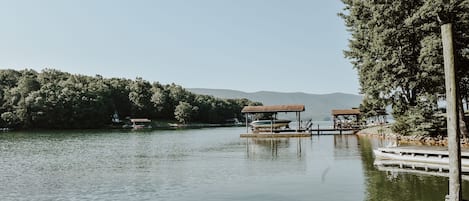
x=396 y=48
x=55 y=99
x=10 y=119
x=8 y=97
x=184 y=112
x=140 y=97
x=119 y=95
x=161 y=101
x=9 y=78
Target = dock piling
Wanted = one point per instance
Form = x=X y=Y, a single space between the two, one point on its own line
x=454 y=147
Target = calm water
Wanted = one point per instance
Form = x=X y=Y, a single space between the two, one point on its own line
x=201 y=164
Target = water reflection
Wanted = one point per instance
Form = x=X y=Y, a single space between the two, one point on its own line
x=268 y=148
x=204 y=164
x=393 y=168
x=382 y=184
x=346 y=146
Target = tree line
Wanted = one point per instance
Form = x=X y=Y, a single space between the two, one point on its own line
x=396 y=48
x=55 y=99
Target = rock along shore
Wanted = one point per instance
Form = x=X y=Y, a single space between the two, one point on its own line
x=385 y=132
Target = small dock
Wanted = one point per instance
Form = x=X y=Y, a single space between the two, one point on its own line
x=275 y=131
x=441 y=152
x=433 y=155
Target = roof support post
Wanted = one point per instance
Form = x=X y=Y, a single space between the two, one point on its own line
x=335 y=121
x=247 y=126
x=298 y=114
x=272 y=124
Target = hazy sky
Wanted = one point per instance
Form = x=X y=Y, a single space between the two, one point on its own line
x=248 y=45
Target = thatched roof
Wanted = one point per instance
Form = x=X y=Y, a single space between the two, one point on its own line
x=273 y=109
x=346 y=112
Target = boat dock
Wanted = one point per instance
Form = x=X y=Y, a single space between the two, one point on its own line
x=428 y=155
x=273 y=129
x=421 y=150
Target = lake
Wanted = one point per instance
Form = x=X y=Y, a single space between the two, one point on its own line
x=200 y=164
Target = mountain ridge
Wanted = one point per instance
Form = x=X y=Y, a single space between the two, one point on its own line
x=318 y=106
x=265 y=91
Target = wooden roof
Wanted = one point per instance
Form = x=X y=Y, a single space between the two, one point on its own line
x=273 y=108
x=346 y=112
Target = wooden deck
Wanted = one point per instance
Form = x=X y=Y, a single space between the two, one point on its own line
x=332 y=131
x=309 y=132
x=285 y=133
x=421 y=150
x=415 y=154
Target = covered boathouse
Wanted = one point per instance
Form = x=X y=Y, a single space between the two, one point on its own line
x=347 y=118
x=249 y=111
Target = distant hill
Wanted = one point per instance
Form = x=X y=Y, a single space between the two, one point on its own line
x=318 y=106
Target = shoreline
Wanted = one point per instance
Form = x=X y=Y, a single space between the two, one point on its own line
x=156 y=125
x=385 y=132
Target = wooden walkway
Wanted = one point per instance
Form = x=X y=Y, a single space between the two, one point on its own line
x=332 y=131
x=416 y=154
x=275 y=135
x=422 y=150
x=286 y=133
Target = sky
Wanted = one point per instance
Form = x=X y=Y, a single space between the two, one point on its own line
x=246 y=45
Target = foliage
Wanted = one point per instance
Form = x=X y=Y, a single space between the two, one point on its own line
x=396 y=48
x=55 y=99
x=423 y=119
x=184 y=112
x=140 y=97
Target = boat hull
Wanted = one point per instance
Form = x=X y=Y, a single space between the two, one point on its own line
x=260 y=124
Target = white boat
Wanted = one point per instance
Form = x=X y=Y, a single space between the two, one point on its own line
x=275 y=123
x=5 y=129
x=419 y=155
x=138 y=124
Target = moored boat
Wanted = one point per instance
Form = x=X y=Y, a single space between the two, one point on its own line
x=275 y=123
